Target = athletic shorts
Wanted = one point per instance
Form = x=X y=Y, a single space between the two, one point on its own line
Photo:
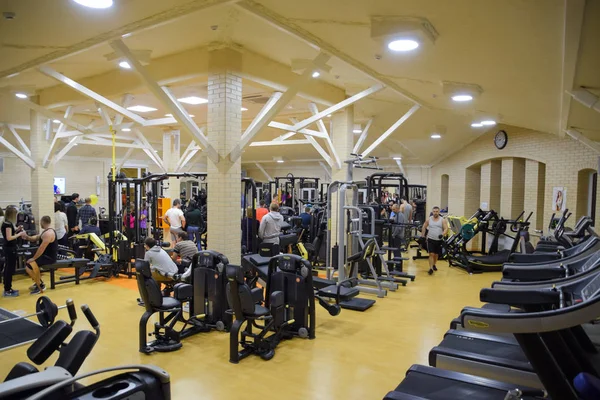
x=434 y=246
x=44 y=260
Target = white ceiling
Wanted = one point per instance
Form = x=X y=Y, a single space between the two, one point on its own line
x=512 y=49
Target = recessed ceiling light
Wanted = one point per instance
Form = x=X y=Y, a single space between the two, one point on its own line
x=156 y=151
x=124 y=65
x=126 y=130
x=141 y=108
x=21 y=95
x=462 y=97
x=290 y=107
x=171 y=115
x=126 y=35
x=56 y=121
x=397 y=158
x=193 y=100
x=244 y=109
x=488 y=122
x=280 y=161
x=403 y=45
x=316 y=74
x=328 y=115
x=12 y=75
x=436 y=136
x=476 y=125
x=95 y=3
x=357 y=128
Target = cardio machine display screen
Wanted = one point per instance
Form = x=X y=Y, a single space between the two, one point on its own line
x=60 y=186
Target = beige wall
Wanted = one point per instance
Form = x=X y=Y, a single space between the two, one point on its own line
x=523 y=182
x=80 y=176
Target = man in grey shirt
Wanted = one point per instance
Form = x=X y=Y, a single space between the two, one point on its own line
x=163 y=268
x=406 y=209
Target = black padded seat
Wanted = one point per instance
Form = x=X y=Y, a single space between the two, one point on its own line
x=260 y=311
x=67 y=263
x=345 y=292
x=355 y=257
x=169 y=303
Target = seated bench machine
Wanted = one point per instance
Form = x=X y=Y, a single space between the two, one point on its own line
x=287 y=311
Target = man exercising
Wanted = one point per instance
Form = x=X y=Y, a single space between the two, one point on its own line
x=406 y=209
x=436 y=228
x=184 y=248
x=161 y=265
x=270 y=227
x=45 y=254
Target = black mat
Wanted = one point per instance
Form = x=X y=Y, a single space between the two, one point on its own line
x=17 y=333
x=357 y=304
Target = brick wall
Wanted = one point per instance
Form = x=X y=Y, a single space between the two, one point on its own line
x=562 y=159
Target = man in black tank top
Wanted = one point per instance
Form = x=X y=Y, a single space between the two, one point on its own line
x=46 y=253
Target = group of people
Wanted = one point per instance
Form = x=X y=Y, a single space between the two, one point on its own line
x=69 y=220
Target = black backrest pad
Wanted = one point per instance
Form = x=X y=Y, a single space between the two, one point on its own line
x=292 y=275
x=239 y=294
x=208 y=280
x=149 y=289
x=49 y=342
x=74 y=354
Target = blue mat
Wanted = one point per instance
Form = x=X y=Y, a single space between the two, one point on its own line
x=17 y=333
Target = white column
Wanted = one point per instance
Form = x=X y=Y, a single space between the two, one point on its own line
x=224 y=133
x=42 y=179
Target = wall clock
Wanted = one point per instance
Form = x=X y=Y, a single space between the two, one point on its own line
x=501 y=139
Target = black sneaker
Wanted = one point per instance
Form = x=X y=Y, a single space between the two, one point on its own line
x=35 y=291
x=434 y=268
x=11 y=293
x=34 y=286
x=430 y=272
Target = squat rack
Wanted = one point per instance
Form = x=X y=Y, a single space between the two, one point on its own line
x=288 y=184
x=376 y=182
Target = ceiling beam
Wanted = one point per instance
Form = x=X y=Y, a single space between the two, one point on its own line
x=578 y=136
x=25 y=158
x=332 y=151
x=363 y=136
x=279 y=143
x=286 y=127
x=65 y=150
x=284 y=137
x=149 y=150
x=283 y=24
x=188 y=158
x=573 y=22
x=125 y=158
x=57 y=137
x=320 y=150
x=337 y=107
x=170 y=14
x=260 y=167
x=52 y=115
x=91 y=94
x=166 y=99
x=391 y=130
x=327 y=170
x=20 y=141
x=399 y=162
x=108 y=143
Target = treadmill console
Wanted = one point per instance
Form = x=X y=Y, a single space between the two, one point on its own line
x=591 y=289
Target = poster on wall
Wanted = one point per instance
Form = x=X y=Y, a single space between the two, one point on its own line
x=559 y=199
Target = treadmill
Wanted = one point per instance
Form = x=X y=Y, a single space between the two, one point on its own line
x=563 y=267
x=500 y=357
x=546 y=339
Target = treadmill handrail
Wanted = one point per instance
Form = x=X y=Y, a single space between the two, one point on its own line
x=536 y=322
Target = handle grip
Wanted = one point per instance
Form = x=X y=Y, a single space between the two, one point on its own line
x=72 y=311
x=90 y=316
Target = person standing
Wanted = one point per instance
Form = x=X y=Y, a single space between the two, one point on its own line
x=193 y=218
x=175 y=219
x=144 y=220
x=248 y=224
x=261 y=211
x=398 y=221
x=270 y=226
x=11 y=234
x=61 y=224
x=46 y=253
x=406 y=209
x=86 y=212
x=72 y=214
x=436 y=228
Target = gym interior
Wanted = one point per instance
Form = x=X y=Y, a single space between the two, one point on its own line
x=340 y=199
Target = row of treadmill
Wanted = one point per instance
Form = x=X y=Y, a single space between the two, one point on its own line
x=535 y=337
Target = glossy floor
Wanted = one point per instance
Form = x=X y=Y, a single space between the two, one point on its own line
x=355 y=355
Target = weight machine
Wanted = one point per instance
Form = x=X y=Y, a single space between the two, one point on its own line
x=249 y=199
x=299 y=188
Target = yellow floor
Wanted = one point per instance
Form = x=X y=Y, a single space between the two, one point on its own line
x=355 y=355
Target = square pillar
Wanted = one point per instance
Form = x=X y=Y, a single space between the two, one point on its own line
x=171 y=150
x=343 y=140
x=491 y=184
x=42 y=179
x=224 y=133
x=535 y=180
x=513 y=187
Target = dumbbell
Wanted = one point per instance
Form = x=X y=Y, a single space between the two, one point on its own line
x=46 y=311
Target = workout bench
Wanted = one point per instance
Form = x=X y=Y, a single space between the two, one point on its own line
x=80 y=265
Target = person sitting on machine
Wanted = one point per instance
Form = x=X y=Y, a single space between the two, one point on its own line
x=305 y=218
x=162 y=267
x=46 y=253
x=185 y=249
x=270 y=227
x=397 y=218
x=91 y=227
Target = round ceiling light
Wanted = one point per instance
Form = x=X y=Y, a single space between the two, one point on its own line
x=488 y=122
x=403 y=45
x=124 y=65
x=316 y=74
x=95 y=3
x=462 y=97
x=21 y=95
x=436 y=136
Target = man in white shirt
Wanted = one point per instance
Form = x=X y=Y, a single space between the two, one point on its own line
x=175 y=219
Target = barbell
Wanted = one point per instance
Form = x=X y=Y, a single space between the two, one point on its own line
x=46 y=311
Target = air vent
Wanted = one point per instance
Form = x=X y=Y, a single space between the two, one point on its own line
x=256 y=98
